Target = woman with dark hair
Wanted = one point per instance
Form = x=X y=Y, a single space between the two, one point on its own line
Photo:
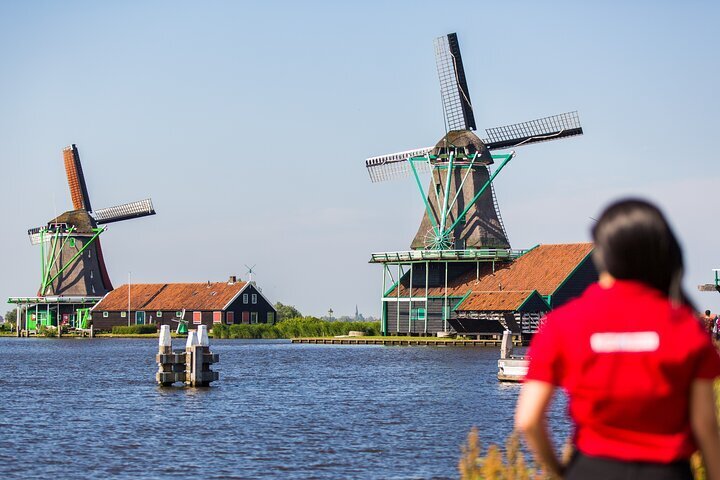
x=635 y=362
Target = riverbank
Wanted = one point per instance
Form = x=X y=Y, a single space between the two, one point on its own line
x=404 y=341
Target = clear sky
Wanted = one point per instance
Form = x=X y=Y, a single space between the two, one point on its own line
x=248 y=124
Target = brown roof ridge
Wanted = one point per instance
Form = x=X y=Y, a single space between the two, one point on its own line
x=564 y=243
x=526 y=290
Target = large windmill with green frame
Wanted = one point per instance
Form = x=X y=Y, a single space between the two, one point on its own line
x=73 y=275
x=461 y=224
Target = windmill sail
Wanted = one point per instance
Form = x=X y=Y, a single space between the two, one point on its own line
x=395 y=165
x=534 y=131
x=453 y=85
x=126 y=211
x=76 y=179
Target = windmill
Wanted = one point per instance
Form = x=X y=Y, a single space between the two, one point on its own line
x=461 y=210
x=250 y=272
x=72 y=259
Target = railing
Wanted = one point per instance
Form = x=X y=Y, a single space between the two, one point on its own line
x=478 y=255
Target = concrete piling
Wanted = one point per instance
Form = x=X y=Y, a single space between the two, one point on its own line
x=190 y=366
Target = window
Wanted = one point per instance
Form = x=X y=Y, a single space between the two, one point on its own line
x=158 y=313
x=418 y=314
x=197 y=318
x=245 y=317
x=178 y=314
x=217 y=317
x=254 y=298
x=106 y=314
x=253 y=317
x=245 y=298
x=271 y=317
x=230 y=318
x=123 y=314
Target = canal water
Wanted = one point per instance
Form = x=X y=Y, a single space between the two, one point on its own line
x=79 y=408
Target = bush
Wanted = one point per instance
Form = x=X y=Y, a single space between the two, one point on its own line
x=134 y=329
x=294 y=328
x=47 y=331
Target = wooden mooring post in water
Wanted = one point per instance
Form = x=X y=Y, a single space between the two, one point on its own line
x=190 y=366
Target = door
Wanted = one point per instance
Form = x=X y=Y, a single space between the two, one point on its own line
x=139 y=318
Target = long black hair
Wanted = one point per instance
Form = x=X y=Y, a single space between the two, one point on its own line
x=633 y=241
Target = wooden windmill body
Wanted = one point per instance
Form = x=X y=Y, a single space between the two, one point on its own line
x=72 y=257
x=461 y=232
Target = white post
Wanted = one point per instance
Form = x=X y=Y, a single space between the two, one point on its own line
x=165 y=340
x=202 y=334
x=506 y=346
x=18 y=318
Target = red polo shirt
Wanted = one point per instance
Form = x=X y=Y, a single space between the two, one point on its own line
x=627 y=358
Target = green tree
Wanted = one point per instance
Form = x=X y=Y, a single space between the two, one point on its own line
x=286 y=311
x=11 y=316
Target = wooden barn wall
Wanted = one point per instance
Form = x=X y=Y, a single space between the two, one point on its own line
x=434 y=316
x=262 y=307
x=577 y=282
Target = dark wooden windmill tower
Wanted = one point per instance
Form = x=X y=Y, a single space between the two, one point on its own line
x=72 y=258
x=461 y=225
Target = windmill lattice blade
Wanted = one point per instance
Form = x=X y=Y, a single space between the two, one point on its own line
x=394 y=165
x=534 y=131
x=34 y=234
x=453 y=85
x=76 y=179
x=126 y=211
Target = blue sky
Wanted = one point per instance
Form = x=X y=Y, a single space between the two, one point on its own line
x=248 y=124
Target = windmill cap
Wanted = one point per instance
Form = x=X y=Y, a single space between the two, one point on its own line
x=466 y=141
x=80 y=219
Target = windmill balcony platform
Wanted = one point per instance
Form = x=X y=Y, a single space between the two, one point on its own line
x=475 y=255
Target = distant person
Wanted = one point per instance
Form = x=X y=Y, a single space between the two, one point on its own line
x=635 y=362
x=708 y=321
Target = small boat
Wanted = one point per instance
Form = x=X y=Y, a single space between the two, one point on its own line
x=511 y=368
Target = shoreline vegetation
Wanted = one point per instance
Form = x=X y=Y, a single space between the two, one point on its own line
x=298 y=327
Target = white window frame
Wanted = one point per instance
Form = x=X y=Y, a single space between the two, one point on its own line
x=254 y=298
x=158 y=313
x=253 y=317
x=106 y=314
x=123 y=314
x=245 y=298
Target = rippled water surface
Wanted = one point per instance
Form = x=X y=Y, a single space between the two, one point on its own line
x=79 y=408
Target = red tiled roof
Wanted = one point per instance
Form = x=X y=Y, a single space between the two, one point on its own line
x=171 y=296
x=543 y=268
x=505 y=301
